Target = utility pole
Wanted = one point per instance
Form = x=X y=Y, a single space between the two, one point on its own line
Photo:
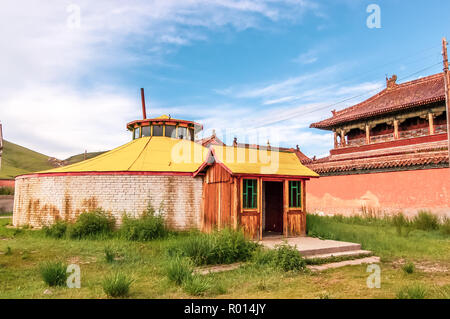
x=447 y=91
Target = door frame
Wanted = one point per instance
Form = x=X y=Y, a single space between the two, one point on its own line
x=264 y=203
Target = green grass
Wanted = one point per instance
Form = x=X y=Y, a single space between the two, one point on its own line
x=382 y=238
x=221 y=247
x=6 y=190
x=54 y=273
x=17 y=160
x=146 y=264
x=414 y=291
x=408 y=268
x=117 y=285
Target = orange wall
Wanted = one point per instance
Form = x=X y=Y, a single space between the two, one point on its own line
x=407 y=191
x=6 y=182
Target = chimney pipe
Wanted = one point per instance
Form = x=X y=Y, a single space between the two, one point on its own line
x=144 y=114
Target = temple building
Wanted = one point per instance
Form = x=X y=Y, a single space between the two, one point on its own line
x=390 y=153
x=196 y=184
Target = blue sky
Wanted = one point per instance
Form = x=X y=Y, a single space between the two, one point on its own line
x=257 y=70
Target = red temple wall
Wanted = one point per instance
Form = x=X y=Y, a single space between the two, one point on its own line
x=387 y=192
x=6 y=183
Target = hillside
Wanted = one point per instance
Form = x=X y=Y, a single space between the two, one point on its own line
x=17 y=160
x=80 y=157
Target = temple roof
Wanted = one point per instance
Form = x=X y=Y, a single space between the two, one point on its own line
x=253 y=161
x=212 y=140
x=146 y=154
x=431 y=154
x=395 y=97
x=167 y=155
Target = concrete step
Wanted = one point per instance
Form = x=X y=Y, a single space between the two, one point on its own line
x=366 y=260
x=217 y=268
x=342 y=247
x=350 y=253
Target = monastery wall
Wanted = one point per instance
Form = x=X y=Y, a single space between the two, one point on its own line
x=40 y=200
x=387 y=192
x=6 y=183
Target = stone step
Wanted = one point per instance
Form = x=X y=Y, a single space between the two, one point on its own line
x=349 y=253
x=366 y=260
x=343 y=247
x=217 y=268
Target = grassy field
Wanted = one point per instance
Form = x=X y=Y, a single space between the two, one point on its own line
x=24 y=250
x=18 y=160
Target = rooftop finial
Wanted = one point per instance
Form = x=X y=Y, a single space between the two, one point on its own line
x=213 y=133
x=390 y=82
x=144 y=113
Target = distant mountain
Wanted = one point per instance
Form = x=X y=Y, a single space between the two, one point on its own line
x=18 y=160
x=80 y=157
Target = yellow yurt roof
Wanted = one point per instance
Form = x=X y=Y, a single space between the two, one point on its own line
x=241 y=160
x=146 y=154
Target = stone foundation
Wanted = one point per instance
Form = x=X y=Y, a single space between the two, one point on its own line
x=40 y=200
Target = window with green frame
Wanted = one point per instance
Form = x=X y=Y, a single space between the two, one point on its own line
x=250 y=193
x=295 y=194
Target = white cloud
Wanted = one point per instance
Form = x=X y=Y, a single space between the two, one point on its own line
x=307 y=58
x=46 y=100
x=68 y=121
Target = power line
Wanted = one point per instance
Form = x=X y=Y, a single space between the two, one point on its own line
x=300 y=112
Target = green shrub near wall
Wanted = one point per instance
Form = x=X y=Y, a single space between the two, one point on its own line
x=147 y=227
x=6 y=190
x=221 y=247
x=91 y=224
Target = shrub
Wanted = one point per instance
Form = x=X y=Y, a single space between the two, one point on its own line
x=8 y=251
x=426 y=221
x=288 y=258
x=263 y=257
x=110 y=255
x=179 y=269
x=57 y=230
x=196 y=285
x=6 y=190
x=221 y=247
x=284 y=257
x=91 y=224
x=400 y=222
x=416 y=291
x=408 y=268
x=54 y=273
x=147 y=227
x=231 y=246
x=445 y=226
x=117 y=285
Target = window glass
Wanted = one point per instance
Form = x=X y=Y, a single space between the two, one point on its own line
x=191 y=134
x=136 y=132
x=157 y=130
x=295 y=194
x=146 y=131
x=182 y=132
x=170 y=131
x=250 y=197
